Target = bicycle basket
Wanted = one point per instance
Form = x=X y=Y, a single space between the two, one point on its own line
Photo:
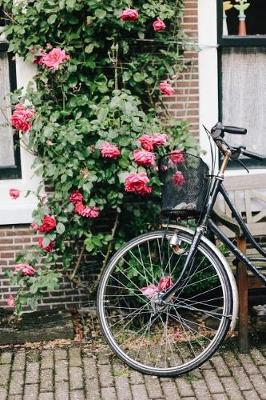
x=185 y=183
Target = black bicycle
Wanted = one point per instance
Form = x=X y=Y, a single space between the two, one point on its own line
x=168 y=298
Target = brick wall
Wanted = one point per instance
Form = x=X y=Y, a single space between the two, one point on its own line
x=14 y=239
x=184 y=105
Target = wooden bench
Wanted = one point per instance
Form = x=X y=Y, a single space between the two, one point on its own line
x=248 y=193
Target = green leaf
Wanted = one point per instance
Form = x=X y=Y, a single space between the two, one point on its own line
x=100 y=13
x=51 y=20
x=60 y=228
x=89 y=48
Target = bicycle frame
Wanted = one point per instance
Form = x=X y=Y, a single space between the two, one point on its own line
x=206 y=222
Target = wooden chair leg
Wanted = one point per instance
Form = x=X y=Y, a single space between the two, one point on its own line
x=242 y=283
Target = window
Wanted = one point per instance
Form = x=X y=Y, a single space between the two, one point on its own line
x=9 y=148
x=242 y=71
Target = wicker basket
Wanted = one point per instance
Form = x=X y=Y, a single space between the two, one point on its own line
x=185 y=183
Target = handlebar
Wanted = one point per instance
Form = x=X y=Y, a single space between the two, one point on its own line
x=217 y=133
x=219 y=129
x=250 y=154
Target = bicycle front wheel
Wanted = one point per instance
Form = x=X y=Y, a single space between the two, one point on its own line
x=177 y=336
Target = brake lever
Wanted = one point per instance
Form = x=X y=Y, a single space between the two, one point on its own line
x=243 y=165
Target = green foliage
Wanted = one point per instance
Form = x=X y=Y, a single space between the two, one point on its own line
x=107 y=91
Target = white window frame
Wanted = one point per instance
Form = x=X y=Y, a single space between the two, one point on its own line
x=19 y=211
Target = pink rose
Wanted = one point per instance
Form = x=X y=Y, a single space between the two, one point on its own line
x=34 y=226
x=20 y=119
x=165 y=283
x=109 y=150
x=11 y=301
x=146 y=142
x=144 y=158
x=149 y=291
x=76 y=197
x=177 y=156
x=88 y=212
x=178 y=178
x=54 y=58
x=48 y=224
x=159 y=139
x=14 y=193
x=158 y=25
x=166 y=88
x=129 y=14
x=48 y=248
x=25 y=269
x=137 y=183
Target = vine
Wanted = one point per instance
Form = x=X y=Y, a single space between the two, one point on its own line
x=97 y=124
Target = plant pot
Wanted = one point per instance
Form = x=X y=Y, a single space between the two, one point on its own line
x=242 y=27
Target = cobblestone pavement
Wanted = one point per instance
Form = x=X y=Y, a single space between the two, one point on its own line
x=78 y=372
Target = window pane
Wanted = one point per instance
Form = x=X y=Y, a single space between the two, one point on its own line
x=244 y=95
x=6 y=134
x=244 y=17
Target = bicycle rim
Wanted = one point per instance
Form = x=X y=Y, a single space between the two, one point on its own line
x=179 y=336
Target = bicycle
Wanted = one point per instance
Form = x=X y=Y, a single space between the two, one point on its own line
x=168 y=298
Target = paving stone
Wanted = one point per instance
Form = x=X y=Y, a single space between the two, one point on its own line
x=184 y=387
x=103 y=358
x=219 y=396
x=19 y=361
x=92 y=389
x=61 y=371
x=47 y=359
x=170 y=390
x=212 y=381
x=31 y=392
x=262 y=369
x=139 y=392
x=190 y=398
x=75 y=357
x=33 y=356
x=220 y=366
x=109 y=393
x=153 y=387
x=3 y=393
x=259 y=384
x=231 y=388
x=5 y=357
x=90 y=367
x=241 y=378
x=16 y=382
x=47 y=380
x=248 y=364
x=201 y=390
x=122 y=388
x=258 y=357
x=135 y=377
x=250 y=395
x=46 y=396
x=4 y=374
x=77 y=395
x=61 y=391
x=15 y=397
x=105 y=375
x=60 y=354
x=32 y=372
x=76 y=378
x=230 y=359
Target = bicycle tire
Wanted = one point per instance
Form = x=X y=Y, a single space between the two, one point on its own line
x=187 y=351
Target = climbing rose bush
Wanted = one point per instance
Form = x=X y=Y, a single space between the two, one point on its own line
x=95 y=120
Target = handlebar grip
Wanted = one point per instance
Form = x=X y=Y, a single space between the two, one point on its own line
x=250 y=154
x=235 y=130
